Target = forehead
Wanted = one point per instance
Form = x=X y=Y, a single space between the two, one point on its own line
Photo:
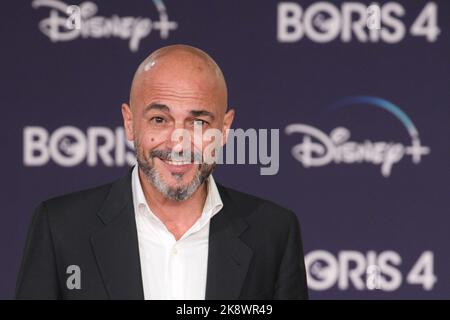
x=179 y=87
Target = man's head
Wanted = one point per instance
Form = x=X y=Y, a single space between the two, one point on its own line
x=176 y=87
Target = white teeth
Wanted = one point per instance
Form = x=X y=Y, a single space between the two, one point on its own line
x=178 y=163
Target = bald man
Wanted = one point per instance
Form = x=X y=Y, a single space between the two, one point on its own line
x=166 y=230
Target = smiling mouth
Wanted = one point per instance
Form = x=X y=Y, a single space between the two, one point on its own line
x=177 y=167
x=177 y=163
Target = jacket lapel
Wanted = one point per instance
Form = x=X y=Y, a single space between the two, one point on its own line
x=228 y=256
x=117 y=251
x=116 y=245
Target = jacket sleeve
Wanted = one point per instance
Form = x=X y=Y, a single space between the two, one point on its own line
x=291 y=283
x=38 y=277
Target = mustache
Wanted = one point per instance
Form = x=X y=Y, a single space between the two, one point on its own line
x=169 y=155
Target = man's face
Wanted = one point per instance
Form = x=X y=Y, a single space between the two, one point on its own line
x=169 y=103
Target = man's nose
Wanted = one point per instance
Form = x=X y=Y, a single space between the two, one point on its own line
x=180 y=139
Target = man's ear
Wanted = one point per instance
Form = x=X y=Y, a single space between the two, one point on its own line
x=227 y=121
x=128 y=121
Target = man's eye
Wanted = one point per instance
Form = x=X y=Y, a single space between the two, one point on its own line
x=199 y=122
x=157 y=120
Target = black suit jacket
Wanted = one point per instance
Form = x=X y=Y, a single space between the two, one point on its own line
x=255 y=249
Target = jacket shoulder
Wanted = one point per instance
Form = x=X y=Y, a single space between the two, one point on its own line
x=251 y=205
x=77 y=205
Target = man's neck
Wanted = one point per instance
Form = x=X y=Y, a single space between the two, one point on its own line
x=177 y=216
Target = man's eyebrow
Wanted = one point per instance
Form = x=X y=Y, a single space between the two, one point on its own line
x=199 y=113
x=156 y=106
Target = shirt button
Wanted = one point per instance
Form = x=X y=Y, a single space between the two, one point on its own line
x=174 y=250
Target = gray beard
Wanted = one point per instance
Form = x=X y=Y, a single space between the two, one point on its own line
x=179 y=193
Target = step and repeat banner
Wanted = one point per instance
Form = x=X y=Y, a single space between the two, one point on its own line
x=353 y=97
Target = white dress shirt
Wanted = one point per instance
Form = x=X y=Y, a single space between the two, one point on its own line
x=174 y=270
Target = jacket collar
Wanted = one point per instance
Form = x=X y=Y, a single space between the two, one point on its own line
x=117 y=252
